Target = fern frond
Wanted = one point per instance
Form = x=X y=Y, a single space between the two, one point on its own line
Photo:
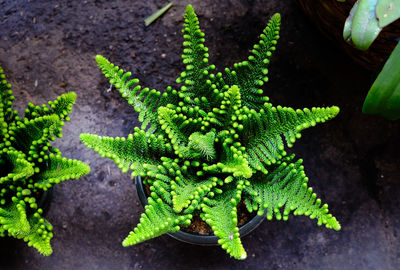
x=231 y=160
x=14 y=219
x=263 y=131
x=163 y=172
x=170 y=123
x=18 y=167
x=157 y=220
x=286 y=185
x=57 y=169
x=35 y=230
x=250 y=75
x=199 y=147
x=187 y=191
x=40 y=234
x=62 y=106
x=132 y=152
x=221 y=215
x=229 y=110
x=195 y=57
x=27 y=133
x=144 y=101
x=6 y=101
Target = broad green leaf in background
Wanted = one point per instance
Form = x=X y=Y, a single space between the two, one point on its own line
x=387 y=11
x=364 y=26
x=366 y=20
x=349 y=23
x=384 y=96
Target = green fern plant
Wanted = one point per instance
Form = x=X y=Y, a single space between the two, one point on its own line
x=29 y=165
x=214 y=143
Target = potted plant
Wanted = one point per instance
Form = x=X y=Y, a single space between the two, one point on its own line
x=30 y=166
x=214 y=145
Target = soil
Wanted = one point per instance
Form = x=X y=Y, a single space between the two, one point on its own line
x=353 y=161
x=199 y=226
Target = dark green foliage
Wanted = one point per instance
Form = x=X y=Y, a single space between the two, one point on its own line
x=29 y=165
x=214 y=143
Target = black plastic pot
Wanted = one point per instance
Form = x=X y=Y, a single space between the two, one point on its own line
x=197 y=239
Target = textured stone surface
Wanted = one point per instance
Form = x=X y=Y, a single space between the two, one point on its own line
x=48 y=48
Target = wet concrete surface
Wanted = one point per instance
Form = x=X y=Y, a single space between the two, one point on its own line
x=353 y=161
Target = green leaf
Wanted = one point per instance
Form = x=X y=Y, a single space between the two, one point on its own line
x=62 y=106
x=185 y=190
x=29 y=165
x=263 y=131
x=232 y=161
x=20 y=167
x=39 y=235
x=199 y=146
x=159 y=218
x=132 y=152
x=221 y=214
x=6 y=102
x=384 y=96
x=364 y=26
x=13 y=218
x=57 y=169
x=349 y=23
x=251 y=74
x=219 y=135
x=170 y=122
x=229 y=110
x=387 y=11
x=195 y=57
x=144 y=101
x=286 y=185
x=27 y=132
x=35 y=230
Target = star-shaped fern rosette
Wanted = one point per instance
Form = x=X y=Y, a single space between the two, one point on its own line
x=213 y=143
x=29 y=165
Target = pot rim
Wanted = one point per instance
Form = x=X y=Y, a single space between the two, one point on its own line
x=197 y=239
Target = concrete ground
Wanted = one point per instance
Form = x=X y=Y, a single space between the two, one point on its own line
x=48 y=48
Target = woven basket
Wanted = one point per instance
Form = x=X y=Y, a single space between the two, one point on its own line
x=330 y=15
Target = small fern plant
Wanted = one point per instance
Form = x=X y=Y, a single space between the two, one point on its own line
x=212 y=144
x=29 y=165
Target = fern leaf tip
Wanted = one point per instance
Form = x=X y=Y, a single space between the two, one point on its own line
x=335 y=110
x=86 y=138
x=336 y=225
x=99 y=57
x=101 y=60
x=189 y=8
x=126 y=243
x=277 y=17
x=71 y=95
